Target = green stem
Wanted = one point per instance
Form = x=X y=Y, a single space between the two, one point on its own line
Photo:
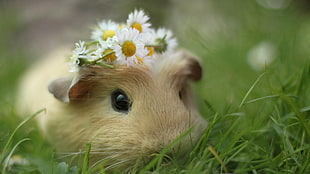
x=91 y=43
x=106 y=54
x=155 y=46
x=106 y=65
x=84 y=61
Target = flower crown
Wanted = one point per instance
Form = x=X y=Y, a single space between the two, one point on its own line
x=127 y=44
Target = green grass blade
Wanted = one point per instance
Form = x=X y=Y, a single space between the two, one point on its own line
x=7 y=145
x=86 y=159
x=159 y=158
x=218 y=158
x=303 y=121
x=303 y=82
x=205 y=136
x=236 y=150
x=11 y=153
x=251 y=89
x=261 y=98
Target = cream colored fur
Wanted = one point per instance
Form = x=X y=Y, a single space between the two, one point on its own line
x=158 y=116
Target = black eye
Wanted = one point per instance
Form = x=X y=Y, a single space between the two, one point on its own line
x=120 y=101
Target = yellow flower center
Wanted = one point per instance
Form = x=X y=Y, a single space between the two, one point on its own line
x=108 y=33
x=137 y=26
x=129 y=48
x=151 y=51
x=140 y=60
x=111 y=57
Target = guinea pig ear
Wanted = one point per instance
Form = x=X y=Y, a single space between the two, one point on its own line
x=79 y=89
x=68 y=89
x=60 y=88
x=187 y=64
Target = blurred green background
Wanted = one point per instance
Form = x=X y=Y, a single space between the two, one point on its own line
x=236 y=40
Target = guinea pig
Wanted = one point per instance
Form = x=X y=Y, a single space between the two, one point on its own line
x=127 y=114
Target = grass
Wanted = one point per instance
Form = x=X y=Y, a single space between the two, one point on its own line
x=258 y=120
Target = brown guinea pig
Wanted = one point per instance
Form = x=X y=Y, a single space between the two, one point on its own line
x=126 y=113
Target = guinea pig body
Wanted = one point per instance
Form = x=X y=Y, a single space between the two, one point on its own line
x=128 y=114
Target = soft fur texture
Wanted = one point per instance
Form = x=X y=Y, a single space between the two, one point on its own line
x=80 y=111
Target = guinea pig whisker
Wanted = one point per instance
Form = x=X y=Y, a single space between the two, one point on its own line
x=106 y=149
x=117 y=164
x=101 y=152
x=106 y=152
x=107 y=158
x=65 y=155
x=112 y=160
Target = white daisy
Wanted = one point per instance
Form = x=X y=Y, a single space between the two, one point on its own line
x=103 y=51
x=105 y=30
x=130 y=50
x=97 y=53
x=149 y=41
x=107 y=47
x=80 y=51
x=139 y=21
x=73 y=64
x=111 y=41
x=165 y=39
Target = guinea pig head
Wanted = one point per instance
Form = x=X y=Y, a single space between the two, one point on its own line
x=133 y=113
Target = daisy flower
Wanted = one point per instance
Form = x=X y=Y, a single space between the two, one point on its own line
x=110 y=42
x=165 y=39
x=105 y=30
x=98 y=52
x=108 y=54
x=149 y=41
x=130 y=43
x=105 y=48
x=138 y=20
x=130 y=50
x=103 y=51
x=80 y=51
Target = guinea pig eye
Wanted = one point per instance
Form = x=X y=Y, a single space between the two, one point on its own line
x=120 y=101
